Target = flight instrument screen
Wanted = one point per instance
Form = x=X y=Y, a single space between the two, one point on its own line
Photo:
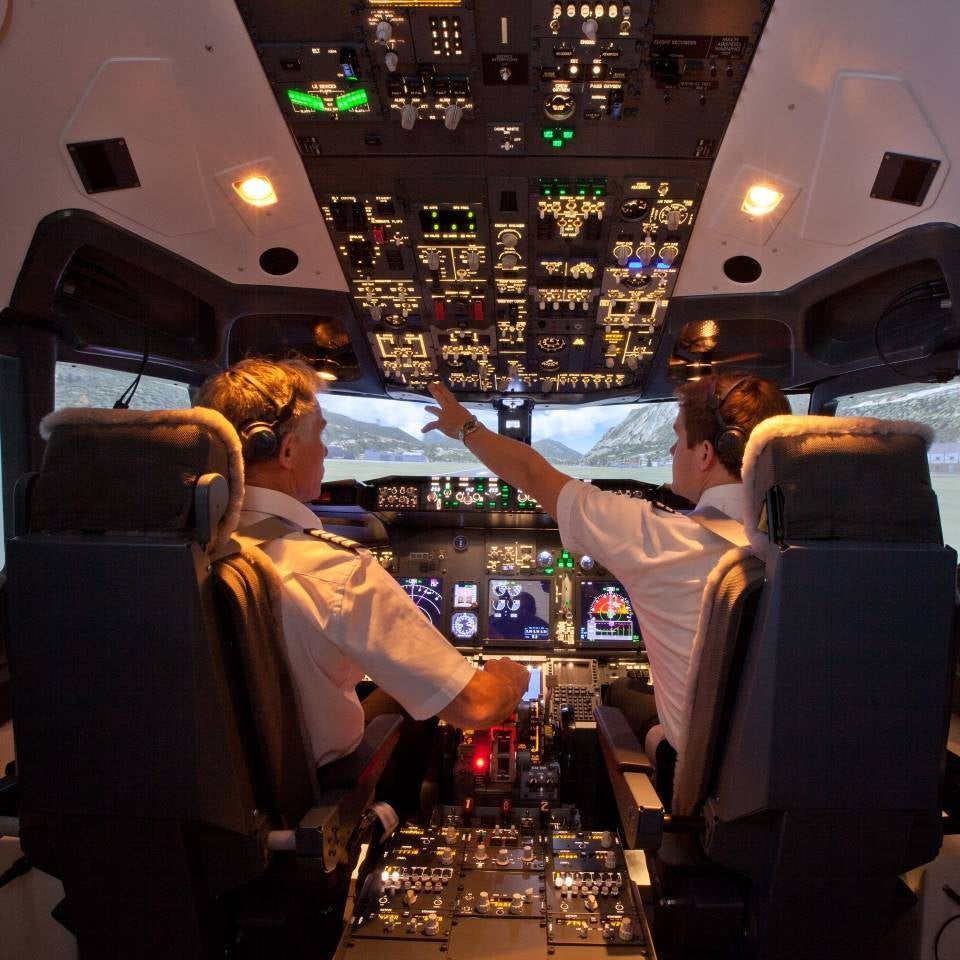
x=606 y=615
x=427 y=594
x=519 y=610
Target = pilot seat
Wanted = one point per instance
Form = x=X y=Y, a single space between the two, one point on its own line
x=817 y=702
x=165 y=774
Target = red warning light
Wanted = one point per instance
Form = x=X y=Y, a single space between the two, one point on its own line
x=479 y=762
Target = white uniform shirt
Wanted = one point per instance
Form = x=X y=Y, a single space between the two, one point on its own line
x=663 y=560
x=344 y=616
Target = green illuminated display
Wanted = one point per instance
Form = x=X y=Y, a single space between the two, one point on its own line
x=557 y=136
x=356 y=98
x=308 y=100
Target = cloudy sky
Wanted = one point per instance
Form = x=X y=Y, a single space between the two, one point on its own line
x=577 y=427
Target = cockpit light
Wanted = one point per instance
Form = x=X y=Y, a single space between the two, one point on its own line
x=256 y=190
x=760 y=200
x=328 y=370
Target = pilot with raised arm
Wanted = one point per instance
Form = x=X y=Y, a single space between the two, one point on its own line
x=662 y=557
x=343 y=615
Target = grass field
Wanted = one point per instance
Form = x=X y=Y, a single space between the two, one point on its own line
x=947 y=487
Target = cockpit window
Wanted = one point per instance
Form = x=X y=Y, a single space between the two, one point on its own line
x=79 y=385
x=373 y=438
x=939 y=406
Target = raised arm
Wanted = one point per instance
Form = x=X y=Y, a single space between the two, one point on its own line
x=520 y=465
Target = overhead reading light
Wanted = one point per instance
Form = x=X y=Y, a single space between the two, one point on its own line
x=328 y=370
x=256 y=190
x=760 y=200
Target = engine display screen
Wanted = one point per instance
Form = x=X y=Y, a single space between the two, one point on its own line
x=606 y=615
x=519 y=610
x=427 y=594
x=465 y=595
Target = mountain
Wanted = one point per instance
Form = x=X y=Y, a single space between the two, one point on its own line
x=645 y=434
x=352 y=438
x=937 y=405
x=557 y=452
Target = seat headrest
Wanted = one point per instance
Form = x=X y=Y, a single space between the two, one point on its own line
x=838 y=478
x=133 y=472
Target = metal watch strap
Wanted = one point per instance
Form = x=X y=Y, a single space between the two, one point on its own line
x=468 y=427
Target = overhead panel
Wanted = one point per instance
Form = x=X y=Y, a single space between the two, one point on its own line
x=510 y=188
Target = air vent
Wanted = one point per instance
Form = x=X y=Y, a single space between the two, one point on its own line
x=104 y=165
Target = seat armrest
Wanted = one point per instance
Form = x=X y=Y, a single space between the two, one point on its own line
x=640 y=809
x=620 y=742
x=367 y=762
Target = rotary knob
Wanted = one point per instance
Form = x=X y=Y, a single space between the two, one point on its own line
x=446 y=857
x=408 y=116
x=503 y=857
x=516 y=904
x=391 y=61
x=481 y=852
x=622 y=253
x=590 y=903
x=606 y=839
x=505 y=74
x=384 y=31
x=646 y=252
x=590 y=27
x=452 y=116
x=609 y=859
x=510 y=238
x=483 y=902
x=432 y=927
x=626 y=929
x=409 y=897
x=510 y=260
x=673 y=219
x=527 y=853
x=473 y=261
x=376 y=312
x=433 y=260
x=668 y=253
x=450 y=834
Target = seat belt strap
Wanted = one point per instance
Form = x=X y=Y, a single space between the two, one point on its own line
x=725 y=527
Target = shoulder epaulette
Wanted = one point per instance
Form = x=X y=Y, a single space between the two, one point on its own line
x=333 y=538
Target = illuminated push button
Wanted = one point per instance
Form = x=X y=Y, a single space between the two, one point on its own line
x=408 y=116
x=516 y=904
x=503 y=857
x=483 y=902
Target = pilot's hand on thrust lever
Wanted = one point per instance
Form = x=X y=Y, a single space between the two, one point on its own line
x=512 y=673
x=451 y=414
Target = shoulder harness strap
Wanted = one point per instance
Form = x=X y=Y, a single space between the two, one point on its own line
x=333 y=538
x=717 y=522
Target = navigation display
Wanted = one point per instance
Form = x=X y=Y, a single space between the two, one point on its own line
x=606 y=615
x=427 y=594
x=519 y=610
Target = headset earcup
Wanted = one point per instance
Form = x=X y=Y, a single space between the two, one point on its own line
x=730 y=444
x=259 y=441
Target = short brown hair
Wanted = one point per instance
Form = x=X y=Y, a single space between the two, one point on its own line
x=256 y=389
x=753 y=399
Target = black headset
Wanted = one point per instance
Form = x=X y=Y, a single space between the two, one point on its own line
x=730 y=440
x=259 y=438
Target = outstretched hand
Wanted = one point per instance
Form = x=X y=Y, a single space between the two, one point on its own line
x=451 y=414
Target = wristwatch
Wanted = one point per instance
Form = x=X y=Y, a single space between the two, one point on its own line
x=467 y=428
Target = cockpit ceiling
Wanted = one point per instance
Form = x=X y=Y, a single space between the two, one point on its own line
x=510 y=188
